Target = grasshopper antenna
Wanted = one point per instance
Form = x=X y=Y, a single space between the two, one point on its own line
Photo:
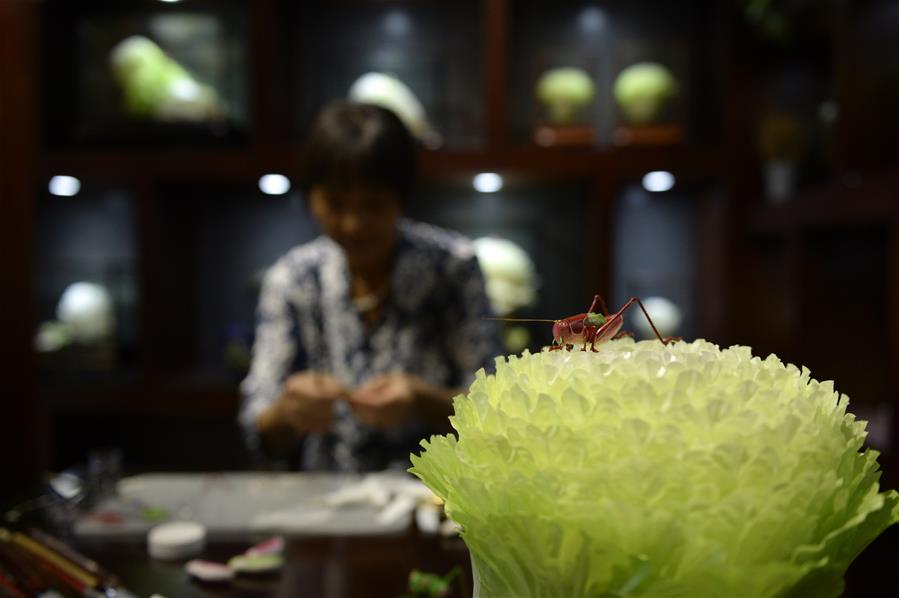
x=520 y=320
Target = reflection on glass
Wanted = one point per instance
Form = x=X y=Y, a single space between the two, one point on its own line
x=591 y=19
x=397 y=22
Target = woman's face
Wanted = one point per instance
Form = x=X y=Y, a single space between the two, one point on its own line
x=361 y=220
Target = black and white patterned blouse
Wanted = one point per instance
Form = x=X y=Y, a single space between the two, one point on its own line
x=433 y=324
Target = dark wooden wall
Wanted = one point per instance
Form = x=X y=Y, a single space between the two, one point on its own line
x=19 y=434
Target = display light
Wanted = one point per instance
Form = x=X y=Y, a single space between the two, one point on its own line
x=487 y=182
x=64 y=186
x=658 y=181
x=274 y=184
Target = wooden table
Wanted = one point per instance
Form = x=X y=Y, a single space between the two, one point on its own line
x=319 y=567
x=326 y=567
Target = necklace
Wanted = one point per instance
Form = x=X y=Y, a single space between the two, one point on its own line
x=369 y=302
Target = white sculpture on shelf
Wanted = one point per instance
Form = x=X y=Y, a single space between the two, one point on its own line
x=665 y=314
x=389 y=92
x=508 y=272
x=86 y=310
x=511 y=284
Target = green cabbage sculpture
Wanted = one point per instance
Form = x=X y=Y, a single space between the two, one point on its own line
x=646 y=470
x=564 y=91
x=643 y=91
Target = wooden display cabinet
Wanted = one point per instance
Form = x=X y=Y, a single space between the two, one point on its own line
x=472 y=64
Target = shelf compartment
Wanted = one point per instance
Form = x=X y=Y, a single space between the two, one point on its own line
x=181 y=76
x=545 y=219
x=86 y=287
x=655 y=256
x=428 y=46
x=601 y=41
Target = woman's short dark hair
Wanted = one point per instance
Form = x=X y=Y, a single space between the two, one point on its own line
x=359 y=144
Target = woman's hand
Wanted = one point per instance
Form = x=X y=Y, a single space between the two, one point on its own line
x=306 y=405
x=386 y=401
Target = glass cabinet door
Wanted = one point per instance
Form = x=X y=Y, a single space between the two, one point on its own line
x=215 y=245
x=530 y=238
x=655 y=253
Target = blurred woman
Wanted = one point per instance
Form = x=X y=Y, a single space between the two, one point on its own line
x=366 y=333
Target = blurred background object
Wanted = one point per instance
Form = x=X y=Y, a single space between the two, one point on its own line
x=157 y=87
x=644 y=90
x=511 y=281
x=391 y=93
x=402 y=53
x=151 y=72
x=86 y=310
x=780 y=145
x=665 y=314
x=563 y=92
x=511 y=285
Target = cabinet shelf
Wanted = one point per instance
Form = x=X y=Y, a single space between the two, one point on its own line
x=226 y=165
x=575 y=162
x=229 y=165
